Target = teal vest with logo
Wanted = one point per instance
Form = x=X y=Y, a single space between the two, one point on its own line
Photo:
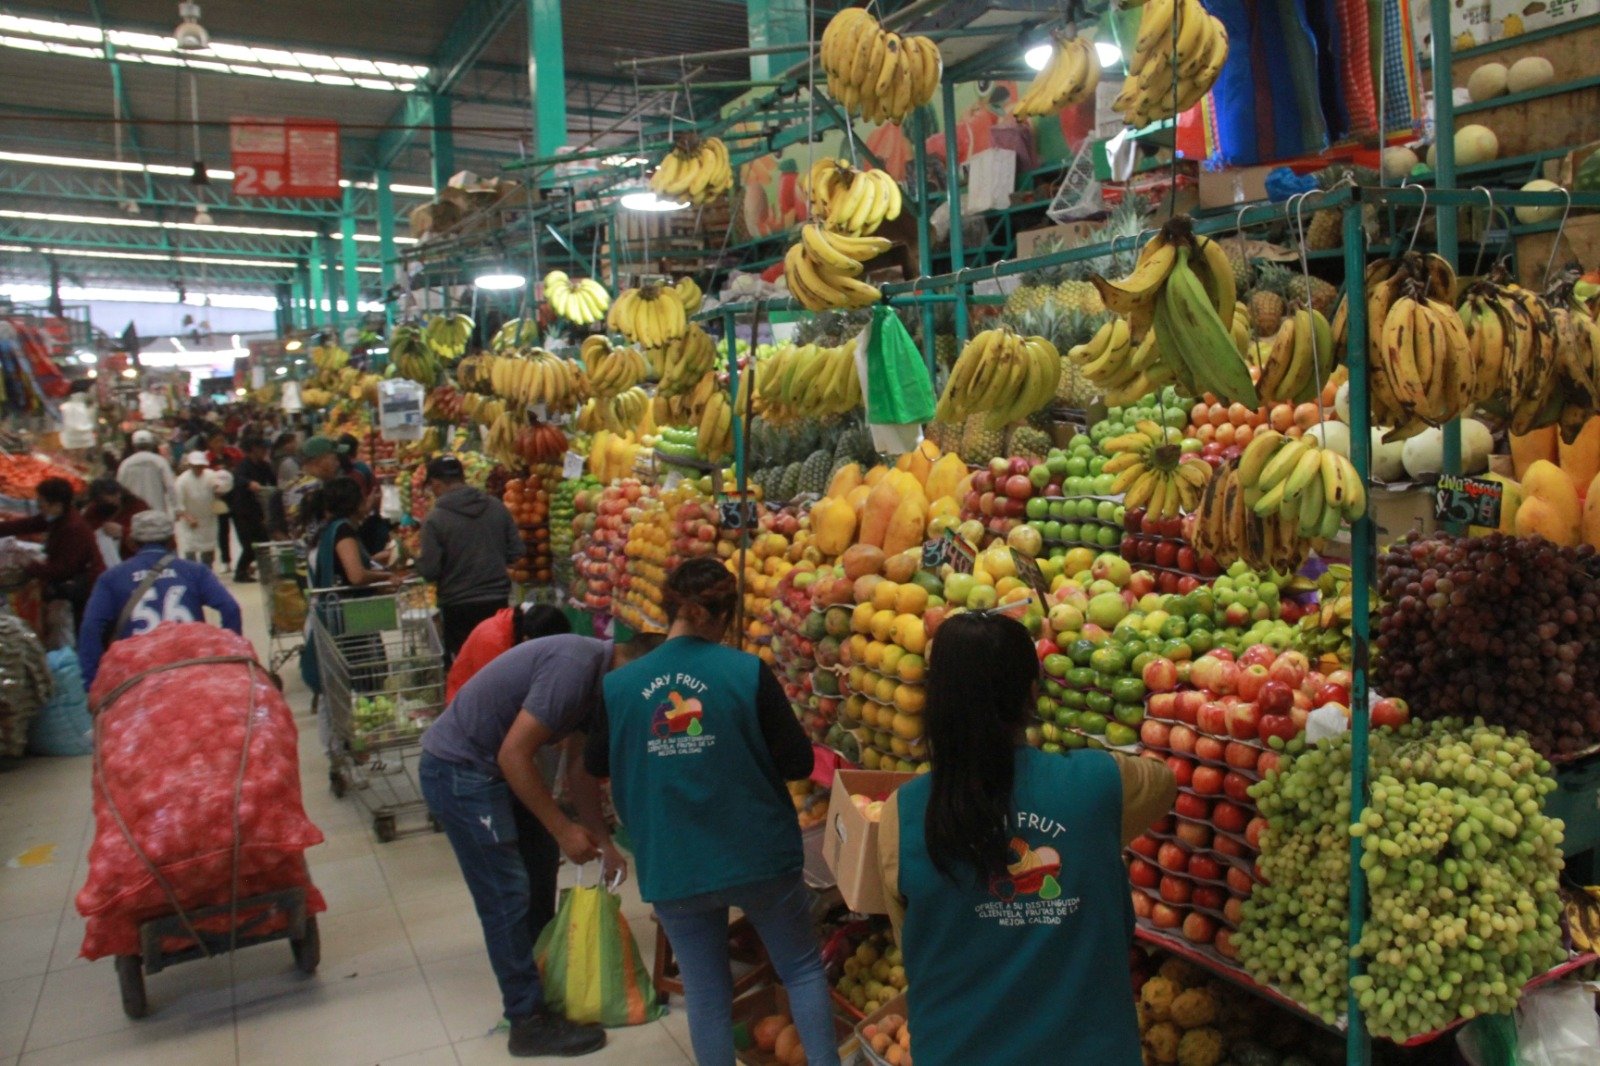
x=691 y=775
x=1031 y=967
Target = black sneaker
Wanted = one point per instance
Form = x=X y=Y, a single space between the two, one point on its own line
x=550 y=1034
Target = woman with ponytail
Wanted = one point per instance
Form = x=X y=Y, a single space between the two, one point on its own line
x=698 y=740
x=1004 y=869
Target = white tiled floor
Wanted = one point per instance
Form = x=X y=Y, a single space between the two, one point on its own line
x=404 y=980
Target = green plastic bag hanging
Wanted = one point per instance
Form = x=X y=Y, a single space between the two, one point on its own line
x=590 y=964
x=899 y=390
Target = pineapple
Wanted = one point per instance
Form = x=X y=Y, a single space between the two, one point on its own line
x=1267 y=300
x=1323 y=231
x=979 y=444
x=1029 y=442
x=941 y=436
x=1244 y=271
x=1038 y=286
x=814 y=472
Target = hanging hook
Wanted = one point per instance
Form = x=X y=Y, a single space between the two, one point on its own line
x=1483 y=244
x=1422 y=212
x=1305 y=272
x=1555 y=244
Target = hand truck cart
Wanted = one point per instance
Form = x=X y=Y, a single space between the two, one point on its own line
x=281 y=569
x=382 y=670
x=184 y=935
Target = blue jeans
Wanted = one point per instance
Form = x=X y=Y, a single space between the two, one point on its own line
x=510 y=863
x=780 y=909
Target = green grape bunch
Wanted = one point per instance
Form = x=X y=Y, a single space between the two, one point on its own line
x=1462 y=868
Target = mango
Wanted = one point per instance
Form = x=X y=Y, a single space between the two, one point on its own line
x=1581 y=458
x=945 y=477
x=1532 y=446
x=1549 y=505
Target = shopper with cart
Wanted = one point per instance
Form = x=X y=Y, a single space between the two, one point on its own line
x=1004 y=868
x=698 y=740
x=468 y=541
x=485 y=765
x=152 y=587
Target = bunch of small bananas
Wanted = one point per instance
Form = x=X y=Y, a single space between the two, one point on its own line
x=1152 y=470
x=715 y=439
x=650 y=316
x=685 y=407
x=822 y=267
x=1122 y=370
x=480 y=409
x=329 y=357
x=1300 y=360
x=1002 y=373
x=1167 y=78
x=621 y=413
x=515 y=333
x=695 y=170
x=808 y=381
x=1300 y=479
x=1581 y=912
x=537 y=376
x=1182 y=287
x=688 y=294
x=1422 y=370
x=582 y=302
x=880 y=76
x=500 y=443
x=412 y=356
x=847 y=200
x=1068 y=78
x=447 y=336
x=685 y=361
x=612 y=370
x=1227 y=529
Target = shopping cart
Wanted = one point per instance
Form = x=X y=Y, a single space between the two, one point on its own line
x=280 y=567
x=382 y=672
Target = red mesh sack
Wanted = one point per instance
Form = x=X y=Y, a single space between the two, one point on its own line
x=196 y=785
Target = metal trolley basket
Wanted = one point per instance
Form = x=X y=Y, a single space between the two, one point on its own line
x=280 y=567
x=382 y=671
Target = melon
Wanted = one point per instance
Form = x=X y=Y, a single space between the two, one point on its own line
x=1487 y=81
x=1387 y=462
x=1475 y=144
x=1334 y=436
x=1424 y=453
x=1549 y=506
x=1398 y=163
x=1341 y=403
x=1476 y=444
x=1530 y=215
x=1529 y=72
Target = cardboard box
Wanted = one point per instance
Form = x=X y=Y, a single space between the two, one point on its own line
x=897 y=1005
x=850 y=847
x=1397 y=511
x=1235 y=186
x=1068 y=235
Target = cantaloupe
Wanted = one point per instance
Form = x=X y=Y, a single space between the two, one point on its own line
x=1590 y=522
x=1398 y=162
x=1530 y=215
x=1532 y=446
x=1549 y=506
x=1529 y=72
x=1487 y=81
x=1581 y=458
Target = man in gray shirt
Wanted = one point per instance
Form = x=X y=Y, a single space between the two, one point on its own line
x=481 y=776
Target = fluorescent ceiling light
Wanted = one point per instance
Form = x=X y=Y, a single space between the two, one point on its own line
x=213 y=227
x=1110 y=55
x=172 y=170
x=1037 y=56
x=293 y=346
x=35 y=292
x=281 y=370
x=83 y=41
x=499 y=281
x=155 y=257
x=648 y=201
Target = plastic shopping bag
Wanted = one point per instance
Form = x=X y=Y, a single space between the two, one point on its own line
x=590 y=964
x=1557 y=1026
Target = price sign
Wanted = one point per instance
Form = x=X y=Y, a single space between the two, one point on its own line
x=1469 y=500
x=285 y=157
x=572 y=465
x=740 y=514
x=1031 y=575
x=948 y=548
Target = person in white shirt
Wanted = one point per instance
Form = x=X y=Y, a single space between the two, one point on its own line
x=198 y=489
x=148 y=476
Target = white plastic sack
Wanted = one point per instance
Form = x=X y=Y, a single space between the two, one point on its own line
x=991 y=179
x=1557 y=1026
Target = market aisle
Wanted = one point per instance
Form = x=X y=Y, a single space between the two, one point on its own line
x=403 y=982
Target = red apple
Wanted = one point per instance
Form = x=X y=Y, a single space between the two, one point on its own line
x=1244 y=721
x=1182 y=769
x=1313 y=680
x=1176 y=889
x=1275 y=697
x=1181 y=738
x=1194 y=808
x=1268 y=762
x=1212 y=718
x=1290 y=667
x=1236 y=786
x=1186 y=585
x=1331 y=693
x=1173 y=858
x=1211 y=897
x=1149 y=525
x=1142 y=583
x=1207 y=781
x=1241 y=756
x=983 y=480
x=1229 y=817
x=1390 y=712
x=1154 y=734
x=1277 y=725
x=1145 y=846
x=1163 y=824
x=987 y=504
x=1165 y=554
x=1018 y=487
x=1252 y=679
x=1194 y=834
x=1206 y=672
x=1160 y=675
x=1162 y=705
x=1199 y=929
x=1143 y=905
x=1205 y=868
x=1223 y=942
x=1187 y=561
x=1020 y=466
x=1340 y=677
x=1233 y=849
x=1257 y=655
x=1189 y=702
x=1143 y=874
x=1210 y=749
x=1240 y=881
x=1163 y=916
x=1151 y=753
x=1253 y=831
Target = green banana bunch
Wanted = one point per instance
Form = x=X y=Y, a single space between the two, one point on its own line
x=447 y=336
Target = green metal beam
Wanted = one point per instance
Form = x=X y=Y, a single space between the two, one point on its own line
x=441 y=142
x=347 y=246
x=386 y=256
x=775 y=22
x=314 y=267
x=547 y=76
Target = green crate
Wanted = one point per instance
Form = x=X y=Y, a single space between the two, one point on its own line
x=1576 y=801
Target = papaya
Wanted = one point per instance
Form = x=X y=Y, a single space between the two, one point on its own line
x=846 y=478
x=1581 y=458
x=1549 y=505
x=859 y=560
x=833 y=523
x=907 y=525
x=878 y=510
x=857 y=498
x=1532 y=446
x=875 y=475
x=945 y=476
x=1590 y=522
x=920 y=460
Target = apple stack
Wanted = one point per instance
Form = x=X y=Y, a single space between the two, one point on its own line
x=799 y=633
x=638 y=605
x=1162 y=546
x=1001 y=492
x=1220 y=732
x=602 y=566
x=1075 y=508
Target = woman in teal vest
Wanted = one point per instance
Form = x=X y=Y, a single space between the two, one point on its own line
x=1004 y=870
x=698 y=740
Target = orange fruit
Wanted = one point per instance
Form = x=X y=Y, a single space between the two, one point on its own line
x=911 y=599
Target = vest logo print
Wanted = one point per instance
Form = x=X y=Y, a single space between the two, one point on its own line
x=1029 y=893
x=677 y=725
x=1031 y=873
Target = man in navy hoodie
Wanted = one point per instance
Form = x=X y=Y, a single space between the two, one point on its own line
x=177 y=593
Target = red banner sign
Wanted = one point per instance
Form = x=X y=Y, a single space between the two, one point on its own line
x=286 y=157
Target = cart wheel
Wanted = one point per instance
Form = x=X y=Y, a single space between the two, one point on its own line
x=337 y=784
x=307 y=949
x=130 y=976
x=383 y=826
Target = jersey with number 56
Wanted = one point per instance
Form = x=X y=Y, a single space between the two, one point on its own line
x=178 y=594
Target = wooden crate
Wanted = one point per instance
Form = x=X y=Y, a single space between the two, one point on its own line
x=1580 y=242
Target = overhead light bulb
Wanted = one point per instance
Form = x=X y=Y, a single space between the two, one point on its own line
x=1037 y=56
x=498 y=281
x=1109 y=54
x=130 y=372
x=281 y=370
x=648 y=201
x=190 y=35
x=202 y=217
x=292 y=346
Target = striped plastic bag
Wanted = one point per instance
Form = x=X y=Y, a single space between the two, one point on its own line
x=590 y=964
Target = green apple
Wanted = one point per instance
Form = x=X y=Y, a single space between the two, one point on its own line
x=1106 y=511
x=958 y=588
x=1107 y=609
x=1037 y=507
x=981 y=598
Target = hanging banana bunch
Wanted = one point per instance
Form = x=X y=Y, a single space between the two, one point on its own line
x=447 y=335
x=1068 y=78
x=696 y=170
x=878 y=75
x=581 y=302
x=1003 y=374
x=688 y=294
x=515 y=333
x=612 y=370
x=685 y=361
x=538 y=377
x=1300 y=360
x=649 y=316
x=413 y=357
x=1171 y=69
